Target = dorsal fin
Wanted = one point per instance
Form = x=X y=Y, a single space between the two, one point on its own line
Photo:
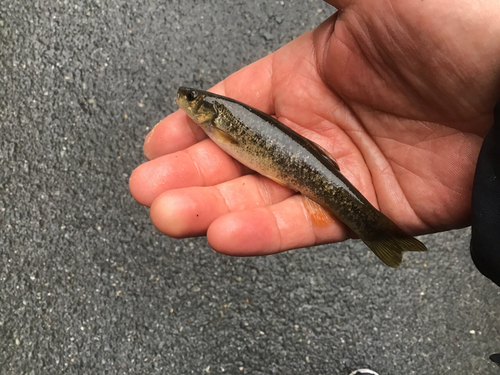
x=323 y=154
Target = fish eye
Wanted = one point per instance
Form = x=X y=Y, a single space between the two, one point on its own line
x=191 y=95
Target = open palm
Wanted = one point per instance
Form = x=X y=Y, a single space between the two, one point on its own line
x=400 y=93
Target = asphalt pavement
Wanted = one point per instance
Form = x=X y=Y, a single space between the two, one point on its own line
x=88 y=286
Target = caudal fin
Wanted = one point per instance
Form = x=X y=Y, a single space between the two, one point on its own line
x=390 y=249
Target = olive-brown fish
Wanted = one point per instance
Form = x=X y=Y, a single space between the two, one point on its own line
x=267 y=146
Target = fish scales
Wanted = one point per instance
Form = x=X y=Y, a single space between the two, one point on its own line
x=269 y=147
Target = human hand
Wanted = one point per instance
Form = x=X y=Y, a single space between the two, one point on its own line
x=400 y=93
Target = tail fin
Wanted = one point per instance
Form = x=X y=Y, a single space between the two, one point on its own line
x=390 y=249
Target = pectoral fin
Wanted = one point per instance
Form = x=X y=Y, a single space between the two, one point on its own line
x=223 y=137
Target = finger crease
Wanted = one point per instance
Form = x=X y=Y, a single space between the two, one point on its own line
x=264 y=192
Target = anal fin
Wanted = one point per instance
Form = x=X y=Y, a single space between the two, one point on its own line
x=319 y=216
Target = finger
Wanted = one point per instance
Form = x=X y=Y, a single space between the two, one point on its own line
x=203 y=164
x=189 y=212
x=251 y=85
x=174 y=133
x=272 y=229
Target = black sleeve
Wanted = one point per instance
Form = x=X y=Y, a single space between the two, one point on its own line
x=496 y=358
x=485 y=241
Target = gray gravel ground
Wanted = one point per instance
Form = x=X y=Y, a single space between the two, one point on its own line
x=88 y=286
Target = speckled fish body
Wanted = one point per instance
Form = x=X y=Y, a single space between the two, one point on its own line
x=267 y=146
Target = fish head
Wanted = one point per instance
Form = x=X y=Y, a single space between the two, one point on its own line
x=194 y=103
x=203 y=107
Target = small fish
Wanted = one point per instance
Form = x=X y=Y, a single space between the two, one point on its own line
x=270 y=148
